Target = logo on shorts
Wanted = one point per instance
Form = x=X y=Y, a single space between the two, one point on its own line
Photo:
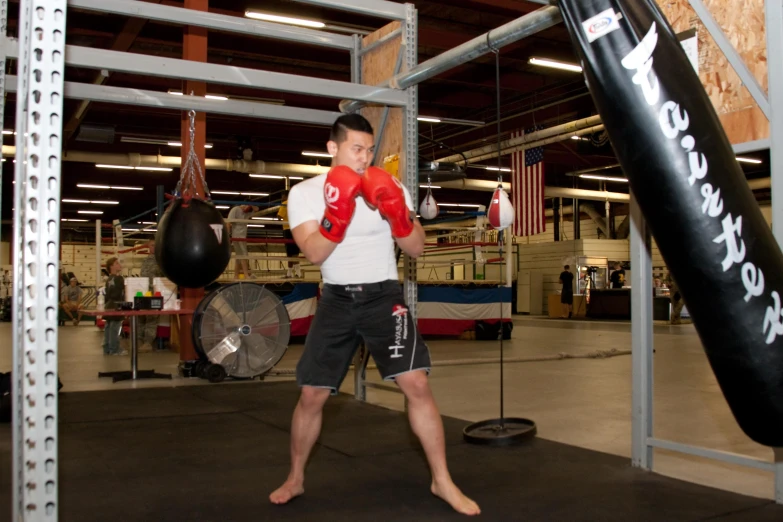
x=400 y=314
x=218 y=229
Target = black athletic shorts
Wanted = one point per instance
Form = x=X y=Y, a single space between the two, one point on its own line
x=346 y=314
x=567 y=298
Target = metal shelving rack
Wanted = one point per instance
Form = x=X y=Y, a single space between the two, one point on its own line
x=39 y=83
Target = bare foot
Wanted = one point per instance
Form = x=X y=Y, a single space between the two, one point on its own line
x=455 y=498
x=286 y=492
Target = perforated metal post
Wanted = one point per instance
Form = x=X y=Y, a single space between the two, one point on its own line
x=410 y=128
x=36 y=271
x=3 y=30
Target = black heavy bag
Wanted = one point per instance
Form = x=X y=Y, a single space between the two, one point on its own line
x=192 y=245
x=694 y=196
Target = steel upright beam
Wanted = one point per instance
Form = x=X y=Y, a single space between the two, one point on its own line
x=3 y=57
x=774 y=20
x=39 y=120
x=522 y=27
x=214 y=21
x=641 y=340
x=410 y=129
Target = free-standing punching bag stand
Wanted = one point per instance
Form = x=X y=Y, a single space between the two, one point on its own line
x=503 y=431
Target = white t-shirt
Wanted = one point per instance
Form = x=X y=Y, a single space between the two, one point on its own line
x=238 y=229
x=366 y=255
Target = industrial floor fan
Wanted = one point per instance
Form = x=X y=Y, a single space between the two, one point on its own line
x=239 y=330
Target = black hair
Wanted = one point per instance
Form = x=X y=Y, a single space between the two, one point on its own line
x=346 y=122
x=566 y=267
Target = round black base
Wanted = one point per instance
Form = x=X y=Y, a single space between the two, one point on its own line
x=500 y=432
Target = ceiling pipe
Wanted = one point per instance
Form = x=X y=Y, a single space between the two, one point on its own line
x=524 y=26
x=564 y=131
x=539 y=143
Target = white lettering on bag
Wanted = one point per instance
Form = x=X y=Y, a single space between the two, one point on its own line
x=673 y=120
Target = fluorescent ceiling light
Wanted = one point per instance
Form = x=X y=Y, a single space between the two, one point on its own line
x=154 y=169
x=256 y=226
x=178 y=144
x=208 y=96
x=222 y=206
x=295 y=177
x=318 y=154
x=267 y=176
x=604 y=178
x=139 y=230
x=428 y=186
x=91 y=202
x=544 y=62
x=458 y=205
x=75 y=220
x=265 y=218
x=90 y=212
x=501 y=169
x=8 y=132
x=230 y=193
x=146 y=223
x=107 y=187
x=427 y=118
x=579 y=138
x=122 y=167
x=748 y=160
x=284 y=20
x=75 y=201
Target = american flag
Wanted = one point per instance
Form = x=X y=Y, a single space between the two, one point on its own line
x=527 y=189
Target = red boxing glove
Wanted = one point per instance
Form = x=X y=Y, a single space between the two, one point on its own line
x=384 y=192
x=340 y=190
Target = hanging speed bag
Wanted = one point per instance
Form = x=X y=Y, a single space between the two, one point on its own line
x=694 y=196
x=192 y=245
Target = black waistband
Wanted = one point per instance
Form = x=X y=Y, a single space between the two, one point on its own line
x=363 y=287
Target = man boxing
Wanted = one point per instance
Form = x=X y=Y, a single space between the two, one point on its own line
x=347 y=221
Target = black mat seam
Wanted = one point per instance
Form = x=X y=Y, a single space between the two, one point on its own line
x=737 y=511
x=153 y=417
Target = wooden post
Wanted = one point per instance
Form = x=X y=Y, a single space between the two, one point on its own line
x=194 y=47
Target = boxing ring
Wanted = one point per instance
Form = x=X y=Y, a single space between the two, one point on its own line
x=41 y=55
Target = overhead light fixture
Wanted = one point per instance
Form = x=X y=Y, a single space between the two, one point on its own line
x=74 y=220
x=267 y=176
x=295 y=177
x=748 y=160
x=579 y=138
x=107 y=187
x=602 y=178
x=545 y=62
x=232 y=193
x=75 y=201
x=256 y=226
x=501 y=169
x=9 y=132
x=208 y=96
x=265 y=219
x=429 y=186
x=128 y=167
x=119 y=167
x=468 y=205
x=179 y=144
x=222 y=206
x=139 y=230
x=284 y=20
x=146 y=223
x=89 y=212
x=317 y=154
x=93 y=202
x=452 y=121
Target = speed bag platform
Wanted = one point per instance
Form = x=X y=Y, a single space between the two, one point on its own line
x=693 y=194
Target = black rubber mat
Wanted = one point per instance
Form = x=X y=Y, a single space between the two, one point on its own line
x=219 y=455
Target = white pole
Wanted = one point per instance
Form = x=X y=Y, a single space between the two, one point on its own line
x=97 y=253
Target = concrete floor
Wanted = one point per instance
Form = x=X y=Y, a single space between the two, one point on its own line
x=585 y=402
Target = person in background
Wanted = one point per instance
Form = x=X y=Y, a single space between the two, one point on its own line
x=291 y=248
x=567 y=293
x=618 y=276
x=72 y=301
x=148 y=324
x=239 y=231
x=115 y=295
